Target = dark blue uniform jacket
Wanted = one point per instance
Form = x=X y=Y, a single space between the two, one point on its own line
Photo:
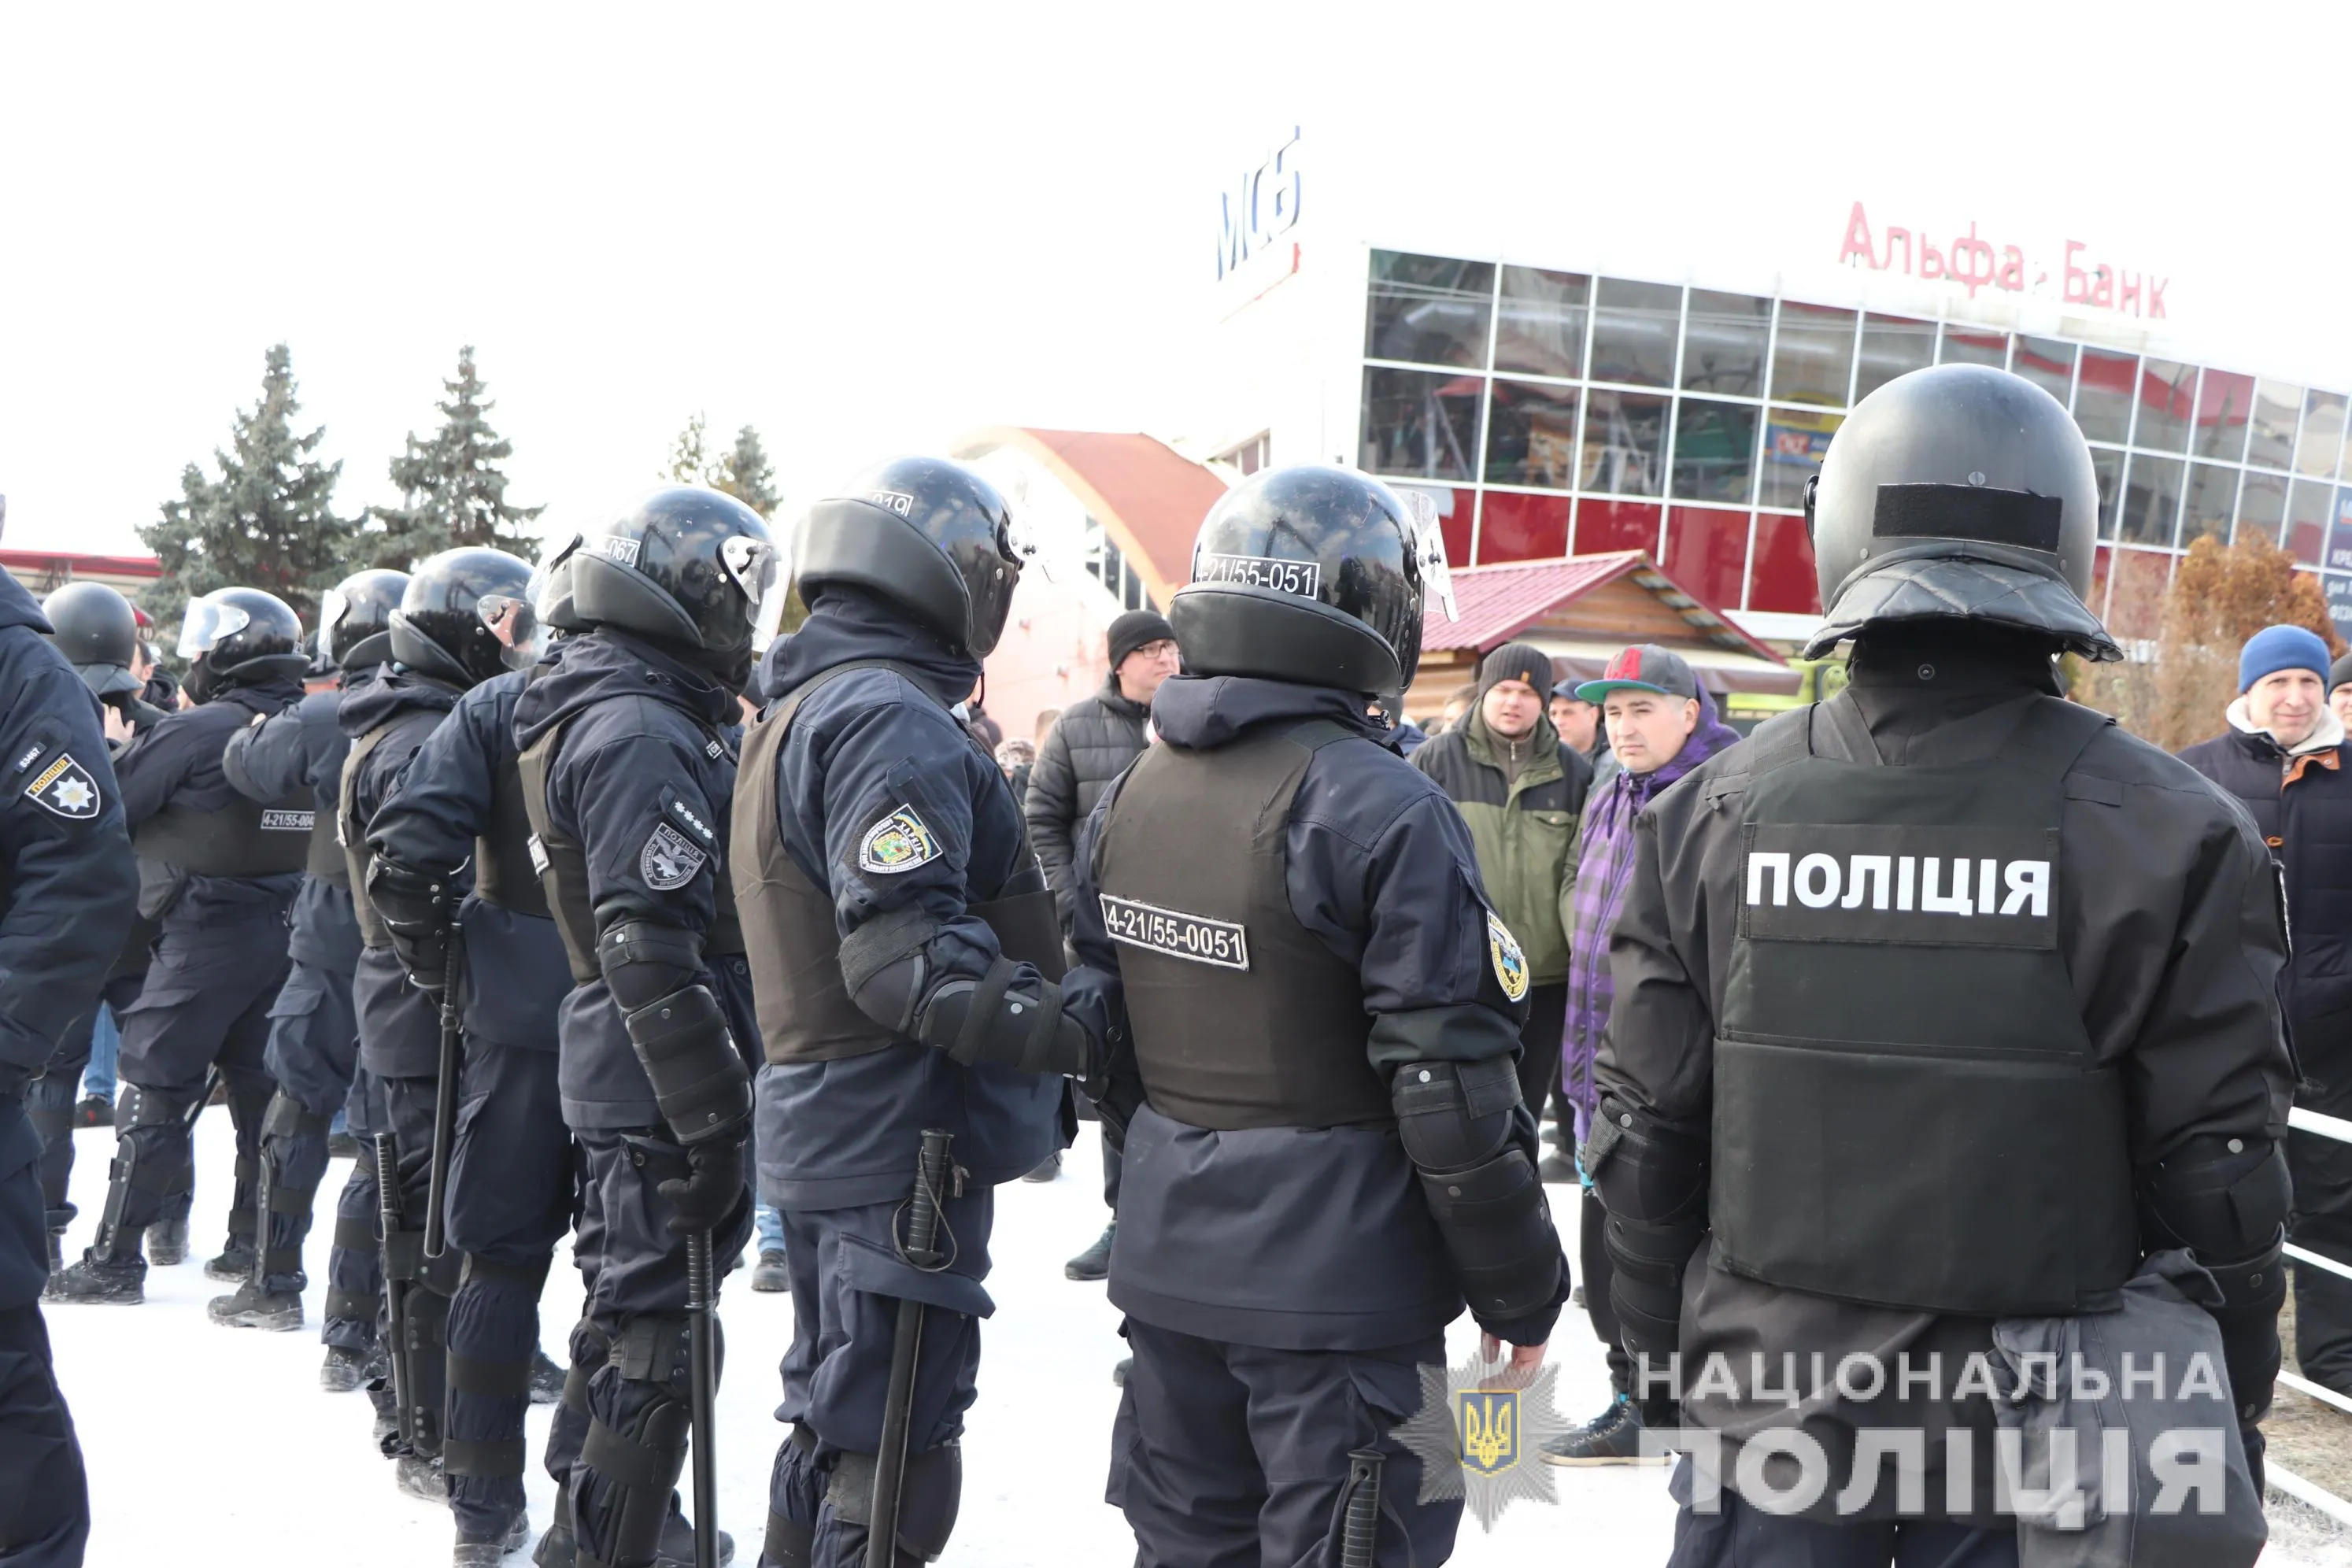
x=839 y=1133
x=303 y=747
x=178 y=763
x=519 y=976
x=67 y=890
x=646 y=751
x=1308 y=1239
x=400 y=1026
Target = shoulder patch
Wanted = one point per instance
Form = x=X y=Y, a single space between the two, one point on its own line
x=688 y=819
x=669 y=859
x=899 y=842
x=1510 y=963
x=65 y=788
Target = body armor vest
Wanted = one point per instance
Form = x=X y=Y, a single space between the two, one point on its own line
x=563 y=868
x=1908 y=1112
x=1243 y=1017
x=326 y=860
x=504 y=872
x=803 y=1005
x=357 y=856
x=243 y=838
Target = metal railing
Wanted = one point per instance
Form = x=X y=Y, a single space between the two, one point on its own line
x=2279 y=1476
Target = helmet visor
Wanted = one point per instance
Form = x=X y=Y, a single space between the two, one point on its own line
x=1429 y=551
x=510 y=618
x=205 y=623
x=333 y=607
x=753 y=568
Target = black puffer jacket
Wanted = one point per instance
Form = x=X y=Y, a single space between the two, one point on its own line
x=2304 y=807
x=1090 y=744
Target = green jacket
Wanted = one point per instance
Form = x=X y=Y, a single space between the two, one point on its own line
x=1524 y=829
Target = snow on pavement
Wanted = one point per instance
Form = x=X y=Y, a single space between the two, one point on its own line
x=212 y=1445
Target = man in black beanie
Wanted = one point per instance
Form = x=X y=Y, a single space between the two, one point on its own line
x=1088 y=747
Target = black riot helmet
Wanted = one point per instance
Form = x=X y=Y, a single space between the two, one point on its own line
x=356 y=618
x=1958 y=492
x=98 y=631
x=451 y=612
x=1314 y=575
x=926 y=534
x=245 y=636
x=551 y=585
x=689 y=567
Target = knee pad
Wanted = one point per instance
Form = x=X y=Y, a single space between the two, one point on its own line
x=638 y=1463
x=929 y=1492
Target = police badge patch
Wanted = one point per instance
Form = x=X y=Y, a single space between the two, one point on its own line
x=1510 y=963
x=899 y=842
x=669 y=859
x=65 y=788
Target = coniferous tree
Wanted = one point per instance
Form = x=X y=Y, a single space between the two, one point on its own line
x=453 y=492
x=746 y=474
x=689 y=464
x=266 y=522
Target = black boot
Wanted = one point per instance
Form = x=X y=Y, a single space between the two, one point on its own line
x=1093 y=1263
x=343 y=1370
x=235 y=1261
x=489 y=1553
x=255 y=1306
x=167 y=1241
x=100 y=1281
x=546 y=1379
x=559 y=1548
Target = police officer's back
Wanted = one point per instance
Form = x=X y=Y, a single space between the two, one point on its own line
x=1330 y=1155
x=67 y=887
x=1940 y=1002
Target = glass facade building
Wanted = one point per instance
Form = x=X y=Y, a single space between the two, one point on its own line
x=1562 y=413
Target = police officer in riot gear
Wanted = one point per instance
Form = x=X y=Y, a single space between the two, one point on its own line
x=1326 y=1155
x=218 y=870
x=70 y=890
x=628 y=768
x=511 y=1186
x=1939 y=1003
x=441 y=647
x=312 y=1054
x=97 y=630
x=906 y=953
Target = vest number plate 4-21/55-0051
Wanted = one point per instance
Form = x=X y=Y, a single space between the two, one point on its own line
x=1179 y=935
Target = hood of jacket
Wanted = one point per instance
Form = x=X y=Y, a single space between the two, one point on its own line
x=606 y=663
x=844 y=625
x=385 y=694
x=18 y=607
x=1196 y=712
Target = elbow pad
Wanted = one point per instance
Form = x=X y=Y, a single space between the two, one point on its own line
x=986 y=1021
x=644 y=961
x=1458 y=1122
x=697 y=1075
x=1652 y=1179
x=411 y=899
x=2228 y=1208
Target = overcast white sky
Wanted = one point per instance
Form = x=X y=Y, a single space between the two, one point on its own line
x=867 y=229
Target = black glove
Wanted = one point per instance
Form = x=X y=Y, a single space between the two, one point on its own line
x=707 y=1198
x=418 y=909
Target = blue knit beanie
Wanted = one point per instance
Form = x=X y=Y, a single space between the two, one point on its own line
x=2275 y=648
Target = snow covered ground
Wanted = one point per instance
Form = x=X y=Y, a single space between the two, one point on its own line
x=215 y=1445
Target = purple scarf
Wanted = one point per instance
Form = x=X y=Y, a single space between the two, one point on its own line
x=1603 y=871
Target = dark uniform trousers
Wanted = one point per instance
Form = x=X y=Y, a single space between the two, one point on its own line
x=355 y=1260
x=313 y=1052
x=2322 y=1169
x=1230 y=1455
x=847 y=1282
x=513 y=1177
x=408 y=1115
x=49 y=1100
x=1741 y=1536
x=205 y=1002
x=43 y=1497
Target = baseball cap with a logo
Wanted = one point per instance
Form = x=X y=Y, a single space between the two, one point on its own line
x=1644 y=667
